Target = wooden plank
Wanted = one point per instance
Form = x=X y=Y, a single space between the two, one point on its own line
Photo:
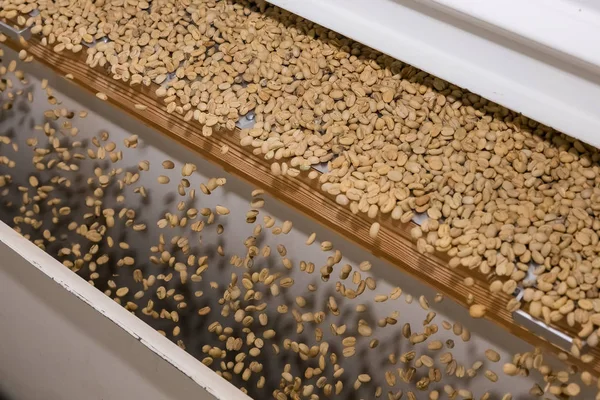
x=393 y=243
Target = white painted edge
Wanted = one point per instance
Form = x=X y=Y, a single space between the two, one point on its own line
x=154 y=341
x=562 y=25
x=500 y=65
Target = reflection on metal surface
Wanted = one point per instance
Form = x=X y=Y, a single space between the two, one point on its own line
x=541 y=329
x=419 y=219
x=14 y=32
x=95 y=42
x=322 y=167
x=247 y=121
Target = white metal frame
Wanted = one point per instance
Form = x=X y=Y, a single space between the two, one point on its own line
x=211 y=385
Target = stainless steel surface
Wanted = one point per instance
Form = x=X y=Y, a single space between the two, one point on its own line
x=541 y=329
x=13 y=32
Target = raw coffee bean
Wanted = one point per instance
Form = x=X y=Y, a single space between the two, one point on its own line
x=491 y=376
x=510 y=369
x=33 y=181
x=492 y=355
x=326 y=246
x=572 y=389
x=168 y=164
x=188 y=169
x=477 y=311
x=374 y=230
x=222 y=210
